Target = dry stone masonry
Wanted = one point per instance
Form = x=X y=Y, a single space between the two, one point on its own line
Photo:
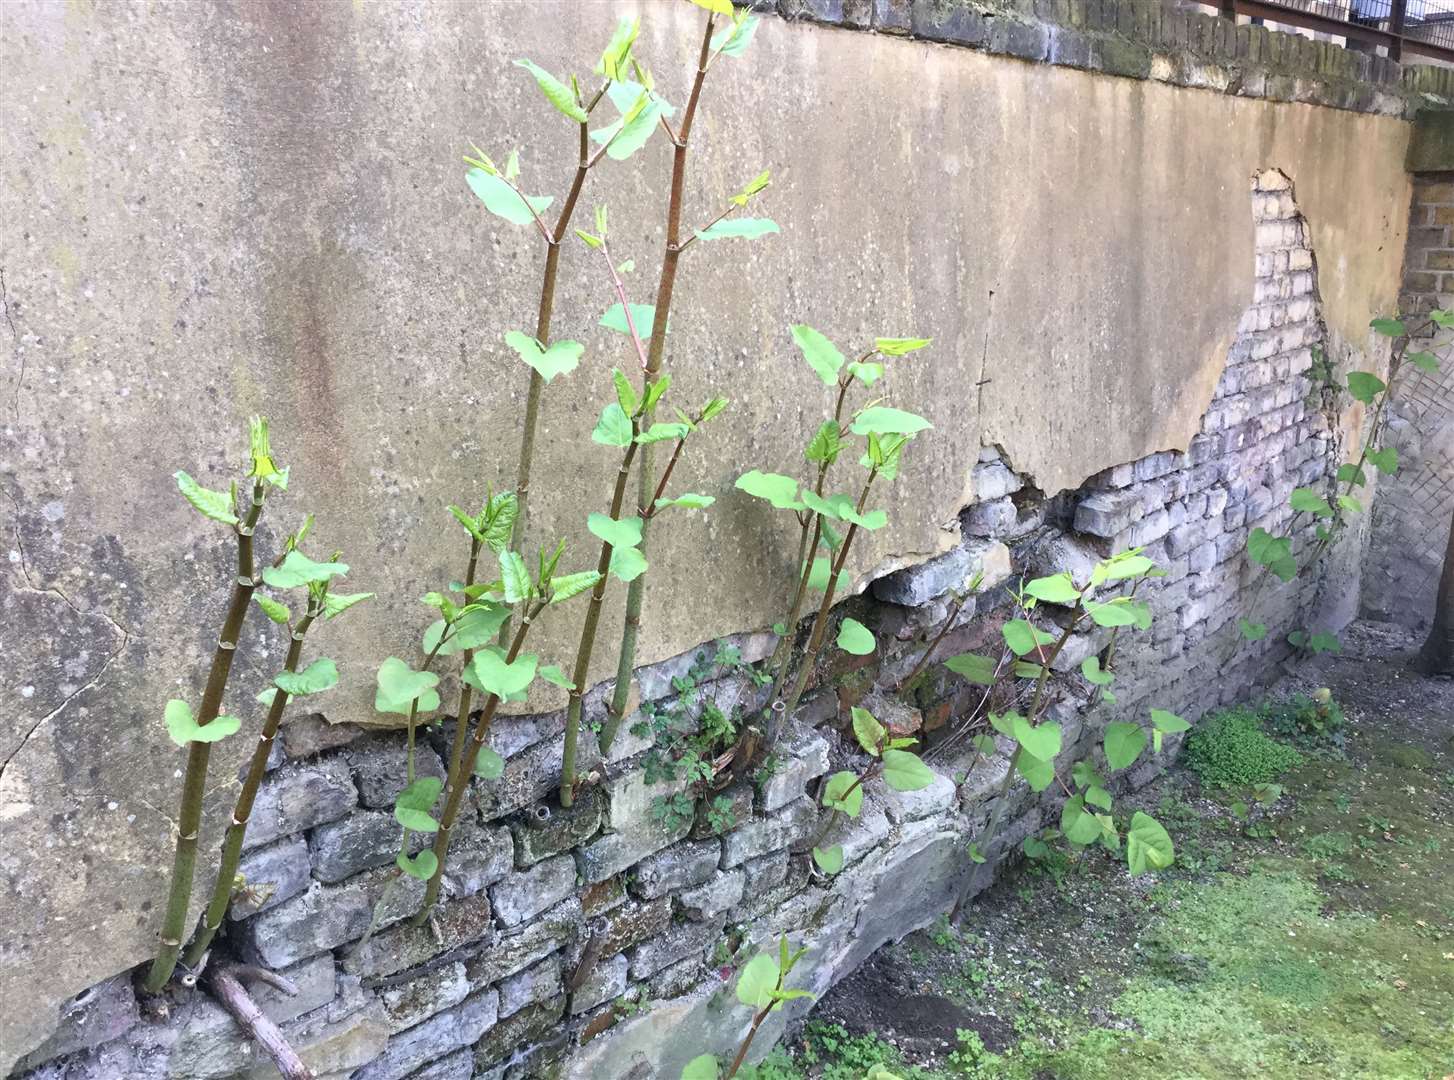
x=597 y=942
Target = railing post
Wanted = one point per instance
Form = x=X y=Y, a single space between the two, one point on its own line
x=1396 y=28
x=1228 y=9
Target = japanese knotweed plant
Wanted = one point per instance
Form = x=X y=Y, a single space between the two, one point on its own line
x=1332 y=506
x=1029 y=654
x=292 y=571
x=885 y=432
x=198 y=730
x=761 y=986
x=629 y=424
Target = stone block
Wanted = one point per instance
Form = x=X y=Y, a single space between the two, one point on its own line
x=634 y=922
x=933 y=20
x=297 y=797
x=452 y=924
x=96 y=1015
x=1108 y=513
x=478 y=857
x=459 y=1065
x=713 y=897
x=526 y=893
x=283 y=866
x=916 y=585
x=356 y=843
x=677 y=867
x=802 y=756
x=524 y=1028
x=558 y=928
x=677 y=942
x=994 y=518
x=537 y=983
x=740 y=798
x=437 y=1036
x=325 y=917
x=765 y=872
x=529 y=777
x=635 y=831
x=538 y=837
x=789 y=825
x=380 y=764
x=311 y=734
x=607 y=980
x=412 y=1002
x=903 y=806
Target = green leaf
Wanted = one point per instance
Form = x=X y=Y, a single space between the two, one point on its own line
x=1039 y=774
x=627 y=563
x=866 y=728
x=733 y=42
x=504 y=201
x=489 y=672
x=898 y=346
x=183 y=728
x=613 y=428
x=977 y=669
x=844 y=792
x=712 y=408
x=618 y=532
x=1350 y=504
x=489 y=765
x=1057 y=589
x=781 y=491
x=279 y=613
x=687 y=501
x=613 y=61
x=855 y=638
x=515 y=577
x=1168 y=722
x=643 y=317
x=1128 y=564
x=335 y=604
x=1022 y=638
x=1385 y=460
x=1307 y=501
x=625 y=392
x=1148 y=847
x=560 y=359
x=421 y=867
x=1273 y=552
x=719 y=7
x=1040 y=741
x=1123 y=744
x=738 y=228
x=1325 y=642
x=975 y=854
x=904 y=771
x=842 y=507
x=552 y=674
x=216 y=505
x=1389 y=327
x=825 y=444
x=818 y=576
x=1023 y=669
x=1351 y=474
x=1098 y=796
x=419 y=821
x=475 y=627
x=631 y=132
x=1442 y=318
x=822 y=355
x=297 y=569
x=1077 y=825
x=315 y=678
x=865 y=372
x=883 y=420
x=1364 y=386
x=662 y=433
x=1090 y=667
x=829 y=860
x=1424 y=361
x=757 y=981
x=563 y=588
x=556 y=91
x=399 y=684
x=1118 y=612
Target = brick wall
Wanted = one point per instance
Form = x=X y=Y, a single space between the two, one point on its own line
x=585 y=943
x=1412 y=510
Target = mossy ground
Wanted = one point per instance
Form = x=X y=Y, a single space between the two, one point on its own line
x=1314 y=939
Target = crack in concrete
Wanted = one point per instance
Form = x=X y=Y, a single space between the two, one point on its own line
x=19 y=352
x=30 y=586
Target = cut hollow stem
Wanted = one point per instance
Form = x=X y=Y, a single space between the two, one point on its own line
x=189 y=820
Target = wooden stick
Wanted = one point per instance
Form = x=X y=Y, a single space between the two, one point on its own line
x=233 y=997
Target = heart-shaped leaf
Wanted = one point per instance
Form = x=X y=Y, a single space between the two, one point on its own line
x=560 y=359
x=216 y=505
x=489 y=672
x=1123 y=744
x=489 y=765
x=297 y=569
x=316 y=677
x=618 y=532
x=1148 y=847
x=904 y=771
x=977 y=669
x=420 y=867
x=758 y=980
x=613 y=428
x=883 y=420
x=627 y=563
x=781 y=491
x=843 y=792
x=183 y=728
x=1040 y=741
x=855 y=638
x=642 y=317
x=399 y=685
x=829 y=859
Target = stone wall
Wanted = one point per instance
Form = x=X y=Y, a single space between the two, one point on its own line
x=600 y=943
x=1412 y=512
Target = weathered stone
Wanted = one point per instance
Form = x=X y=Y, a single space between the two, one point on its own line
x=459 y=1065
x=734 y=806
x=434 y=1038
x=380 y=764
x=529 y=777
x=106 y=1011
x=358 y=842
x=282 y=867
x=993 y=479
x=802 y=756
x=916 y=585
x=433 y=991
x=298 y=797
x=478 y=856
x=607 y=980
x=713 y=897
x=558 y=928
x=538 y=837
x=451 y=924
x=634 y=829
x=525 y=1027
x=535 y=984
x=676 y=979
x=633 y=922
x=1108 y=513
x=324 y=917
x=689 y=863
x=603 y=896
x=792 y=823
x=765 y=872
x=677 y=942
x=332 y=1041
x=993 y=518
x=311 y=734
x=526 y=893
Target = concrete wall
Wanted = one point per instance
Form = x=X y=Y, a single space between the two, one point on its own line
x=211 y=211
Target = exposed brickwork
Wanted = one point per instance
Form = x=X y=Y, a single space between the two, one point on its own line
x=1412 y=510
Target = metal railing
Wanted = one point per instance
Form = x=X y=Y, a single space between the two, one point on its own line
x=1424 y=27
